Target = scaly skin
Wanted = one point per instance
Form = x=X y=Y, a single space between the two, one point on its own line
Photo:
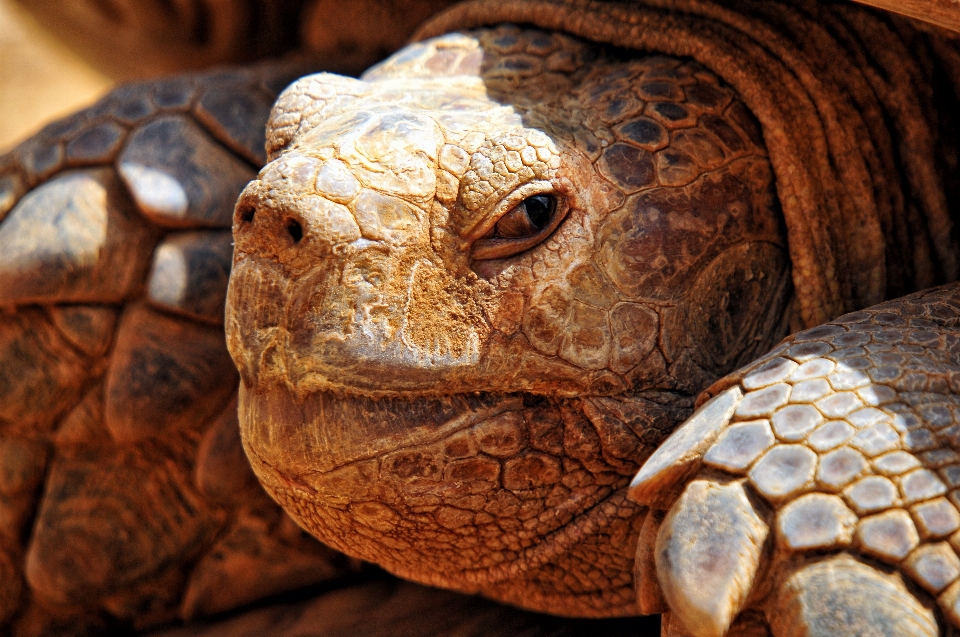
x=125 y=499
x=846 y=439
x=438 y=383
x=129 y=403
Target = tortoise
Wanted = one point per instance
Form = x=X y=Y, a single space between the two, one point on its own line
x=473 y=292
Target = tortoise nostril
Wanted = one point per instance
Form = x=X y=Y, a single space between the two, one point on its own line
x=247 y=213
x=295 y=230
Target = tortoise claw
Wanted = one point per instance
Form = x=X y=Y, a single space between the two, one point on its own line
x=840 y=595
x=706 y=577
x=671 y=626
x=649 y=598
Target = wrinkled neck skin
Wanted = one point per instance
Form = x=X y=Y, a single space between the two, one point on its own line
x=475 y=289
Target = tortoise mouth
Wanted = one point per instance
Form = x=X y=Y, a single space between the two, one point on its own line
x=302 y=436
x=461 y=491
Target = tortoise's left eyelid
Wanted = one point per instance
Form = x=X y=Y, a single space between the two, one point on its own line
x=524 y=226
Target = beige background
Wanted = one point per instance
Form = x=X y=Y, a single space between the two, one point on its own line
x=40 y=79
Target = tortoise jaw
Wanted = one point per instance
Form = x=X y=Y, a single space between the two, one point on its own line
x=306 y=436
x=299 y=440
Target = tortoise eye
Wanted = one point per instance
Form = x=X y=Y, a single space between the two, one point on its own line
x=527 y=218
x=522 y=227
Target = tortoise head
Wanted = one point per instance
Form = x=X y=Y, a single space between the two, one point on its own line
x=473 y=290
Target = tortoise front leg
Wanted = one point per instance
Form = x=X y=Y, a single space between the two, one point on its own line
x=125 y=496
x=821 y=483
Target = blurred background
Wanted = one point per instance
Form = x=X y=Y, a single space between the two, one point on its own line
x=40 y=79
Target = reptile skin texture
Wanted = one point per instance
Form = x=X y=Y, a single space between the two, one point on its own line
x=615 y=312
x=437 y=384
